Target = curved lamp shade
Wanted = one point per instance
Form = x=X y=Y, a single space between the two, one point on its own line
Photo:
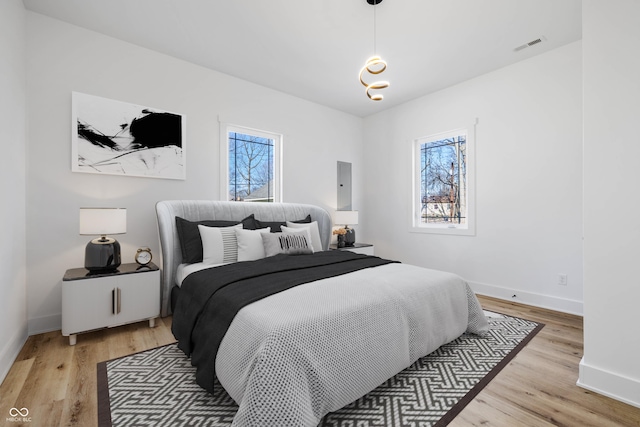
x=102 y=253
x=346 y=217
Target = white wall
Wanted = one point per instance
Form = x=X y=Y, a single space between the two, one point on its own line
x=528 y=180
x=64 y=58
x=13 y=139
x=611 y=179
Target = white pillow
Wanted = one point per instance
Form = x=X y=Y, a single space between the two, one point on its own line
x=219 y=244
x=316 y=242
x=250 y=245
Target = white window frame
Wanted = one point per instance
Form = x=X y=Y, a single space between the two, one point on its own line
x=225 y=129
x=415 y=224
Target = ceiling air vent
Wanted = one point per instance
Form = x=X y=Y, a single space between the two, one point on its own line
x=531 y=43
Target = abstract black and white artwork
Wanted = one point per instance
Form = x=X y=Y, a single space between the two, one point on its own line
x=118 y=138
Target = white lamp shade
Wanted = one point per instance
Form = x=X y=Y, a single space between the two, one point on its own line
x=345 y=217
x=103 y=221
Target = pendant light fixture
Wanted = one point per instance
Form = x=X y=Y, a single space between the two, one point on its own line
x=374 y=65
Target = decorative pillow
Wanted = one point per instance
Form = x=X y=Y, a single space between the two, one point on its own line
x=285 y=243
x=189 y=235
x=275 y=225
x=305 y=231
x=250 y=246
x=316 y=242
x=250 y=223
x=219 y=244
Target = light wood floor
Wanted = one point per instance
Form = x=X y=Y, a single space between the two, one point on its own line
x=57 y=382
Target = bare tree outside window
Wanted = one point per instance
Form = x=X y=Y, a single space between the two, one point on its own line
x=443 y=181
x=443 y=188
x=251 y=168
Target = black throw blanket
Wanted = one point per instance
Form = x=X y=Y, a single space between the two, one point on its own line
x=209 y=299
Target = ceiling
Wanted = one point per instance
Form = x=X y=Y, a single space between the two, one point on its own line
x=315 y=50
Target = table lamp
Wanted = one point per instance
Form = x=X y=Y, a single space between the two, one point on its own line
x=102 y=253
x=347 y=218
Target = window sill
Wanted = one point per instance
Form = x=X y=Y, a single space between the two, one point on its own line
x=445 y=229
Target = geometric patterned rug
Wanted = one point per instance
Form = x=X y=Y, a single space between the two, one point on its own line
x=157 y=387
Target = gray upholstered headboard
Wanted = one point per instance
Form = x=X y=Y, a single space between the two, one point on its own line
x=199 y=210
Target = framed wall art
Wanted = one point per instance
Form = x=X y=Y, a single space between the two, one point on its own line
x=117 y=138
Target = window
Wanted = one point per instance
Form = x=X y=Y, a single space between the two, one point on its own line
x=250 y=165
x=443 y=183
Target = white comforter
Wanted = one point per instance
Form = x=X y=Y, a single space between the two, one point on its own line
x=293 y=357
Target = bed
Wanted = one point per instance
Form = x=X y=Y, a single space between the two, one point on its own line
x=325 y=327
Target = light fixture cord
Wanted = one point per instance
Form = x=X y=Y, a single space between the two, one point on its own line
x=375 y=4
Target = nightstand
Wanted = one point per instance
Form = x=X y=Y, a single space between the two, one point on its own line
x=359 y=248
x=103 y=300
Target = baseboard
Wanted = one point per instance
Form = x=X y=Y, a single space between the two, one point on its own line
x=40 y=325
x=10 y=351
x=538 y=300
x=624 y=389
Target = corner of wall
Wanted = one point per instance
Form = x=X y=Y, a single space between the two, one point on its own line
x=41 y=325
x=610 y=384
x=13 y=86
x=10 y=351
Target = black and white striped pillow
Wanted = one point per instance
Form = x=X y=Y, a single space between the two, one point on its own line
x=286 y=243
x=219 y=244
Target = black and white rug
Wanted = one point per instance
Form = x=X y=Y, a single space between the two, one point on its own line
x=157 y=387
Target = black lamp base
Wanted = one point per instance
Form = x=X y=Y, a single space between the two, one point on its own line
x=350 y=237
x=102 y=254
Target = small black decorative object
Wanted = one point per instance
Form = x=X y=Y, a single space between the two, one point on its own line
x=350 y=237
x=102 y=254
